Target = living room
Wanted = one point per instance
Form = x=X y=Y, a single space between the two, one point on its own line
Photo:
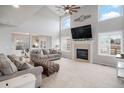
x=61 y=46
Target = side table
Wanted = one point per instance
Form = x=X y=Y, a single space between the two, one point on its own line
x=120 y=67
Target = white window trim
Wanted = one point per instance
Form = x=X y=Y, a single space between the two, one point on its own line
x=109 y=18
x=120 y=32
x=63 y=23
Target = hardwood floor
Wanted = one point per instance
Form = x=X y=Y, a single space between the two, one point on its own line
x=74 y=74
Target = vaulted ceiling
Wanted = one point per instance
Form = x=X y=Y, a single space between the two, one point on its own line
x=16 y=16
x=12 y=16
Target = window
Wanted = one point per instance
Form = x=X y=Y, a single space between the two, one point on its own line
x=21 y=41
x=66 y=22
x=110 y=11
x=110 y=43
x=66 y=44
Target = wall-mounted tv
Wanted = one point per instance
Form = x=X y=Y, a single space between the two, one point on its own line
x=81 y=32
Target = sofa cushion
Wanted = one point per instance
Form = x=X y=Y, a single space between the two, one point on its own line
x=45 y=51
x=26 y=66
x=6 y=66
x=54 y=56
x=15 y=60
x=37 y=52
x=48 y=51
x=54 y=51
x=51 y=56
x=19 y=64
x=51 y=51
x=41 y=53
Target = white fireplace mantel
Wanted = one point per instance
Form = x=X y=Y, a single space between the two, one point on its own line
x=82 y=42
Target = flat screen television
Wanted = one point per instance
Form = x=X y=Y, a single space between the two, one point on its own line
x=81 y=32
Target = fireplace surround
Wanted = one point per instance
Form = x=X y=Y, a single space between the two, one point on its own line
x=78 y=46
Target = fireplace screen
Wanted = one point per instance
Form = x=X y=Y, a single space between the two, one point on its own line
x=82 y=54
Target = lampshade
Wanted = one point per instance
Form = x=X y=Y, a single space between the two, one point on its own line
x=118 y=55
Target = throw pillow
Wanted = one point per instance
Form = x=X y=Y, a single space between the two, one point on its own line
x=37 y=52
x=26 y=66
x=48 y=51
x=6 y=66
x=44 y=51
x=54 y=51
x=51 y=51
x=41 y=54
x=15 y=60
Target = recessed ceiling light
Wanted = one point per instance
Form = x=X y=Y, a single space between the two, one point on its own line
x=16 y=6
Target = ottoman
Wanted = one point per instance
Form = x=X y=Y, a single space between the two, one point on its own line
x=48 y=67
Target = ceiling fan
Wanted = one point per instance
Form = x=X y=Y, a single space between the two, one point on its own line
x=68 y=9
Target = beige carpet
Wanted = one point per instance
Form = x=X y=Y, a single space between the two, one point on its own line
x=74 y=74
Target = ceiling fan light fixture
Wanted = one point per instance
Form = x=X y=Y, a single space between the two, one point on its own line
x=16 y=6
x=67 y=10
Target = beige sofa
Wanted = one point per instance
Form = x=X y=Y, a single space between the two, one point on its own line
x=49 y=54
x=9 y=70
x=42 y=57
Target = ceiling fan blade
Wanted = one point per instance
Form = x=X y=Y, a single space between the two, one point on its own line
x=64 y=6
x=74 y=10
x=78 y=7
x=67 y=9
x=68 y=6
x=59 y=7
x=72 y=5
x=70 y=12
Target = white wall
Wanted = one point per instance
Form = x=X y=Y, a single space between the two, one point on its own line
x=5 y=40
x=43 y=22
x=16 y=16
x=115 y=24
x=65 y=35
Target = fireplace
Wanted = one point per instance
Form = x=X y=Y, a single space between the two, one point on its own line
x=82 y=54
